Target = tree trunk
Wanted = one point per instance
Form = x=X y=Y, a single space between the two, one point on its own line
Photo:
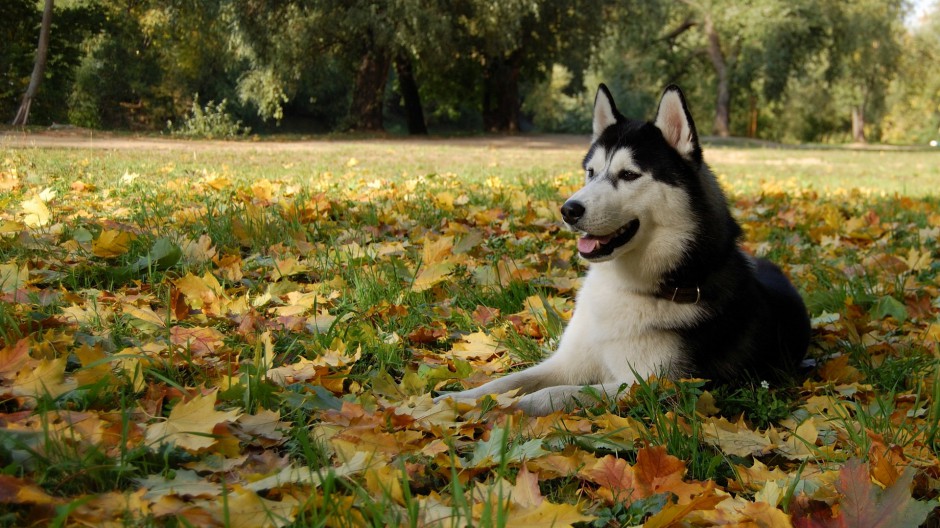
x=858 y=124
x=39 y=67
x=369 y=91
x=752 y=122
x=723 y=96
x=501 y=94
x=409 y=92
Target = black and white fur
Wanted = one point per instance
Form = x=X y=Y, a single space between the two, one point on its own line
x=668 y=291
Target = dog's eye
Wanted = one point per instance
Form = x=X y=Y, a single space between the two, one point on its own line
x=590 y=174
x=628 y=175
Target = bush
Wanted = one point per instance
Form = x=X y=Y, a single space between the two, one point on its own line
x=209 y=121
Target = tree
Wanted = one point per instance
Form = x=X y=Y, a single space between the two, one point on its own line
x=369 y=35
x=913 y=114
x=751 y=48
x=865 y=57
x=519 y=41
x=42 y=52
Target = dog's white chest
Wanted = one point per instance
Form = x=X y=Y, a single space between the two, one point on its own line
x=616 y=333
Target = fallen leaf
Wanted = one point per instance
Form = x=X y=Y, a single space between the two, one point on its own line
x=47 y=377
x=190 y=423
x=112 y=243
x=866 y=506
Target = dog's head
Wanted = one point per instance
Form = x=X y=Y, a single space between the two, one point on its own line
x=640 y=181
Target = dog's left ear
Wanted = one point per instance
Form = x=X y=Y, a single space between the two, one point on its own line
x=675 y=122
x=605 y=112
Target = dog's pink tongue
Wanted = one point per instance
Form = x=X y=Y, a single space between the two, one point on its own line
x=589 y=244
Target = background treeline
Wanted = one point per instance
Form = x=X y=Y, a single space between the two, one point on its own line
x=791 y=70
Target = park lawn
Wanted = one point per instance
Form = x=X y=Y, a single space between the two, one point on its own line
x=248 y=334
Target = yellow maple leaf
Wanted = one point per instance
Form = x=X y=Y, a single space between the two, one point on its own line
x=245 y=509
x=198 y=251
x=112 y=243
x=47 y=377
x=477 y=345
x=94 y=365
x=431 y=275
x=145 y=315
x=190 y=424
x=203 y=293
x=547 y=514
x=35 y=213
x=735 y=438
x=13 y=277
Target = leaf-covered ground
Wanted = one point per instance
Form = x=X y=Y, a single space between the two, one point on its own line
x=256 y=344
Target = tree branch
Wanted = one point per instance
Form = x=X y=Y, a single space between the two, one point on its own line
x=680 y=29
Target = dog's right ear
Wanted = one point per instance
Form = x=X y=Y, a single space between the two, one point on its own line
x=605 y=112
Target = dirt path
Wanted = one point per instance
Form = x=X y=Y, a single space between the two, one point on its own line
x=90 y=139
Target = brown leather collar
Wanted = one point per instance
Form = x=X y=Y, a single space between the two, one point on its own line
x=680 y=295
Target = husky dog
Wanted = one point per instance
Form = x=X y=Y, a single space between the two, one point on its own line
x=668 y=291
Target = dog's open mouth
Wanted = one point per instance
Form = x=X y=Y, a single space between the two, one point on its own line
x=592 y=246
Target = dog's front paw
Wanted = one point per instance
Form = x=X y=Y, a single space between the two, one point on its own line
x=537 y=404
x=457 y=396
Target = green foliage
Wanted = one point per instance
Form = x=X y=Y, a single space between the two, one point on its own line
x=19 y=33
x=796 y=69
x=212 y=121
x=554 y=110
x=117 y=81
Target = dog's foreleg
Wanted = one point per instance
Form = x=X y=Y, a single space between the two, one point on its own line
x=564 y=397
x=526 y=381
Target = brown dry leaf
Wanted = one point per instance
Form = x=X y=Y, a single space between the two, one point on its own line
x=190 y=424
x=198 y=340
x=838 y=370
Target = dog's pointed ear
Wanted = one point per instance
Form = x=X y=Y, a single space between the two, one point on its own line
x=605 y=112
x=675 y=122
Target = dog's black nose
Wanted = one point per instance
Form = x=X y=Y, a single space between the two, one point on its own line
x=572 y=211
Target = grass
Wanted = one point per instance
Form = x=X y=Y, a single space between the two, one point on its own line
x=371 y=262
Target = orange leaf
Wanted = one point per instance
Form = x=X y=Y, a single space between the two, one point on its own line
x=659 y=472
x=673 y=513
x=13 y=358
x=616 y=479
x=18 y=491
